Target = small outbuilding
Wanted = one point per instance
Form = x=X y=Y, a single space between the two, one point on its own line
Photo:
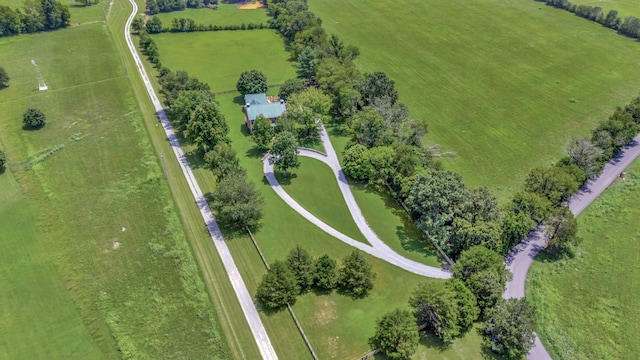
x=257 y=104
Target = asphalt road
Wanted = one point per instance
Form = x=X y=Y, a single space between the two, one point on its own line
x=521 y=257
x=246 y=301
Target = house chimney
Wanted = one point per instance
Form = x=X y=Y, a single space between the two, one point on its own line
x=247 y=106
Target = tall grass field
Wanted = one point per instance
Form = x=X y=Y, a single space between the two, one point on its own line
x=505 y=85
x=95 y=261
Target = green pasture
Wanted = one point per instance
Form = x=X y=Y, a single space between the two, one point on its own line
x=227 y=14
x=503 y=84
x=591 y=302
x=231 y=53
x=95 y=261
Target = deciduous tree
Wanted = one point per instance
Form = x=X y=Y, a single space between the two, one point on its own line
x=284 y=152
x=290 y=87
x=448 y=308
x=262 y=132
x=252 y=82
x=369 y=129
x=378 y=86
x=310 y=108
x=356 y=276
x=357 y=164
x=222 y=160
x=207 y=126
x=137 y=25
x=154 y=25
x=561 y=231
x=278 y=287
x=396 y=335
x=509 y=330
x=586 y=155
x=484 y=273
x=237 y=203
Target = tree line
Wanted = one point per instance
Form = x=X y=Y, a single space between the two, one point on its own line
x=300 y=273
x=155 y=26
x=448 y=309
x=34 y=16
x=629 y=26
x=158 y=6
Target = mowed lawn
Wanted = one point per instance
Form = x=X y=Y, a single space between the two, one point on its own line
x=503 y=84
x=95 y=261
x=227 y=14
x=589 y=304
x=224 y=55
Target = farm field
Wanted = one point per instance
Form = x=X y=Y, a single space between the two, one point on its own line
x=591 y=302
x=227 y=14
x=504 y=99
x=233 y=53
x=89 y=222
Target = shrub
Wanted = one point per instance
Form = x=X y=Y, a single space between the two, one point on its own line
x=33 y=118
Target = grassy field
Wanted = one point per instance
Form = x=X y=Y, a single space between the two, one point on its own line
x=89 y=223
x=227 y=14
x=337 y=326
x=328 y=205
x=504 y=99
x=591 y=302
x=233 y=53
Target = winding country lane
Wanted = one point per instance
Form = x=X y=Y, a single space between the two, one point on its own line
x=377 y=248
x=521 y=257
x=246 y=301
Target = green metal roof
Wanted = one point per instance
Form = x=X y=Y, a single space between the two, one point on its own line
x=255 y=99
x=256 y=104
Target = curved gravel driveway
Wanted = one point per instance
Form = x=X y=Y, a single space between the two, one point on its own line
x=377 y=248
x=246 y=301
x=521 y=257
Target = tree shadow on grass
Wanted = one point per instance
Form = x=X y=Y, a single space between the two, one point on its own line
x=284 y=180
x=410 y=238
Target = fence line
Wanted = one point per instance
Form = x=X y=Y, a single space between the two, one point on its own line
x=293 y=315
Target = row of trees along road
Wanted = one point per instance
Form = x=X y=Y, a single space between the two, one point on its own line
x=37 y=15
x=195 y=114
x=300 y=273
x=629 y=26
x=448 y=309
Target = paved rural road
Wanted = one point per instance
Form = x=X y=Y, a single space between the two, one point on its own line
x=246 y=301
x=377 y=248
x=521 y=257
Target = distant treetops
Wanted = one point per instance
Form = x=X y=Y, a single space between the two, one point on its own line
x=38 y=15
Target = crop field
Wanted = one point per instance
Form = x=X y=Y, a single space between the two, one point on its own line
x=227 y=14
x=591 y=302
x=95 y=259
x=503 y=84
x=233 y=53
